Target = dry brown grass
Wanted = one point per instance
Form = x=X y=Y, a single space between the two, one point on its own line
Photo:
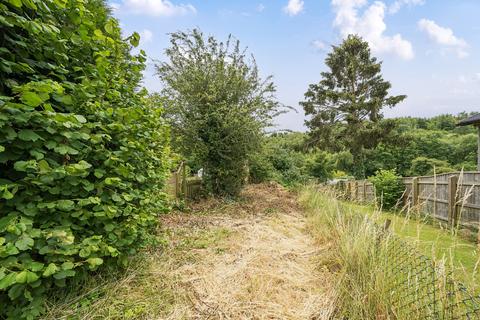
x=245 y=259
x=268 y=269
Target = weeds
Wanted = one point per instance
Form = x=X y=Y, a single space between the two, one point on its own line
x=379 y=275
x=354 y=255
x=147 y=289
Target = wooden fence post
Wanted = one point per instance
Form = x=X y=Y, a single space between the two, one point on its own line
x=352 y=191
x=415 y=193
x=452 y=200
x=364 y=196
x=342 y=187
x=184 y=182
x=355 y=194
x=175 y=175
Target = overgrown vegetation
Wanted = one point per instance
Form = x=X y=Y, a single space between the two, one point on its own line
x=415 y=147
x=366 y=261
x=389 y=188
x=361 y=291
x=83 y=154
x=424 y=146
x=219 y=106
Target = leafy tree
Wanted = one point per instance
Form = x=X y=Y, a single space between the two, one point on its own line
x=83 y=153
x=345 y=107
x=219 y=106
x=422 y=166
x=260 y=168
x=320 y=165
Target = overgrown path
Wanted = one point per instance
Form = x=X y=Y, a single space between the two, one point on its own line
x=246 y=259
x=263 y=269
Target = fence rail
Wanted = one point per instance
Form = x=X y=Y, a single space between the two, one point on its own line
x=451 y=197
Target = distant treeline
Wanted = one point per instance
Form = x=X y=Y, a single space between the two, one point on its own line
x=414 y=146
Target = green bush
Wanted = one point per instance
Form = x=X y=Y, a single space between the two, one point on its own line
x=388 y=187
x=220 y=106
x=260 y=168
x=320 y=165
x=83 y=154
x=422 y=166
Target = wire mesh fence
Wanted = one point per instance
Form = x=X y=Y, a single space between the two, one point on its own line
x=421 y=289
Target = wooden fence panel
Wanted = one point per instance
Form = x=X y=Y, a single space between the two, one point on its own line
x=359 y=191
x=370 y=192
x=469 y=198
x=451 y=197
x=194 y=187
x=433 y=196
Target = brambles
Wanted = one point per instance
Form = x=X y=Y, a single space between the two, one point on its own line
x=82 y=151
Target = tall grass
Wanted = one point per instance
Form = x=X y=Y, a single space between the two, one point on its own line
x=380 y=275
x=355 y=254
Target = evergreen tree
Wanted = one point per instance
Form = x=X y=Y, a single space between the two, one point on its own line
x=345 y=107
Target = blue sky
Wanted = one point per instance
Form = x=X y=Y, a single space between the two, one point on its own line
x=429 y=48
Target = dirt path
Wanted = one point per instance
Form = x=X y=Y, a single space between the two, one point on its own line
x=264 y=269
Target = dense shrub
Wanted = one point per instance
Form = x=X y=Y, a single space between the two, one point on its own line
x=82 y=152
x=289 y=166
x=388 y=187
x=422 y=166
x=260 y=168
x=320 y=165
x=220 y=106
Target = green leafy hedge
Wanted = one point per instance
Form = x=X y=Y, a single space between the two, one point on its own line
x=83 y=155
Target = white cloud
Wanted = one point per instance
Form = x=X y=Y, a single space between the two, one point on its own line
x=370 y=25
x=156 y=8
x=146 y=36
x=114 y=6
x=293 y=7
x=260 y=7
x=444 y=36
x=319 y=45
x=469 y=78
x=398 y=4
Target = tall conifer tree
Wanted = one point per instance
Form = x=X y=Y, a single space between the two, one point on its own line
x=345 y=107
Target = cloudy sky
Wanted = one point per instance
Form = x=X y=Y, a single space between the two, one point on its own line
x=430 y=48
